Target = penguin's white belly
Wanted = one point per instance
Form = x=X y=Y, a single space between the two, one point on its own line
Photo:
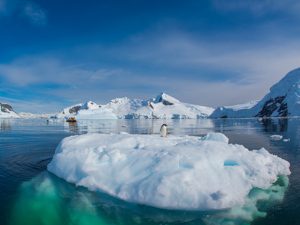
x=163 y=131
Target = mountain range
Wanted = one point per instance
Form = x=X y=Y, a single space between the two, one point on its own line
x=163 y=106
x=283 y=100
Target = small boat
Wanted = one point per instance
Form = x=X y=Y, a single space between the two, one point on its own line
x=71 y=120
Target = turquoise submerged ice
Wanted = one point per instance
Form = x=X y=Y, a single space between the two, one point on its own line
x=177 y=172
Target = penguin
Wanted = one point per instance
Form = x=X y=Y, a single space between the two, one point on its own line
x=163 y=130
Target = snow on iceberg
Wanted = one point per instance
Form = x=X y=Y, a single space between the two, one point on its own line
x=178 y=172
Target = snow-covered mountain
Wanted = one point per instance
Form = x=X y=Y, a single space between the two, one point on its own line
x=283 y=100
x=87 y=110
x=162 y=107
x=6 y=111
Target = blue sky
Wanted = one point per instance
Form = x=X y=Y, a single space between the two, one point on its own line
x=210 y=52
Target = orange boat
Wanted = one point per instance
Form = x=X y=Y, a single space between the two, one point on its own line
x=71 y=120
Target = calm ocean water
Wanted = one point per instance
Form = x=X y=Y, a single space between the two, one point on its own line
x=31 y=195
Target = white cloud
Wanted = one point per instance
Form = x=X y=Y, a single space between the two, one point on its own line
x=57 y=79
x=259 y=7
x=28 y=9
x=2 y=6
x=8 y=6
x=39 y=69
x=186 y=51
x=33 y=106
x=35 y=14
x=252 y=68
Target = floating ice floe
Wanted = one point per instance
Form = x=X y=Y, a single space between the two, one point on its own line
x=276 y=137
x=286 y=140
x=177 y=172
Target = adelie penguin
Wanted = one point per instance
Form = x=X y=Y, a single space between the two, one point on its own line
x=164 y=130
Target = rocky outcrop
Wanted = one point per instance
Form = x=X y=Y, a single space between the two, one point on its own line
x=283 y=100
x=276 y=105
x=6 y=111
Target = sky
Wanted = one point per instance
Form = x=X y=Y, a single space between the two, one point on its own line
x=210 y=52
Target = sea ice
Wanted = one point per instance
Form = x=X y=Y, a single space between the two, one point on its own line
x=276 y=137
x=177 y=172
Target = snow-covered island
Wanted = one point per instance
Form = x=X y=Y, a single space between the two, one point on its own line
x=283 y=100
x=177 y=172
x=162 y=107
x=6 y=111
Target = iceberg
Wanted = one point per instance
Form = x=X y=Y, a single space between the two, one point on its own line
x=177 y=172
x=276 y=137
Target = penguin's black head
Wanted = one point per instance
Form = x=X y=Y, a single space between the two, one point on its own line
x=164 y=125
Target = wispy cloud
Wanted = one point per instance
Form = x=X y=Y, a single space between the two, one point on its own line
x=259 y=7
x=246 y=62
x=24 y=8
x=51 y=78
x=38 y=69
x=193 y=68
x=8 y=7
x=35 y=14
x=2 y=6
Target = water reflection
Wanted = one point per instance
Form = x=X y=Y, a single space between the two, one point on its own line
x=177 y=127
x=73 y=127
x=5 y=125
x=275 y=125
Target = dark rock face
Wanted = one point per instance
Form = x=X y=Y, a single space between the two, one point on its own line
x=6 y=108
x=163 y=101
x=272 y=105
x=75 y=109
